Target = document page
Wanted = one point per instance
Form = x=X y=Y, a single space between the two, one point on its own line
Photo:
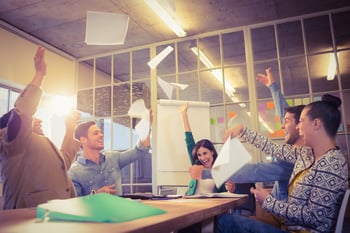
x=231 y=158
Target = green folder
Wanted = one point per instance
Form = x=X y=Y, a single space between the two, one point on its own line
x=100 y=207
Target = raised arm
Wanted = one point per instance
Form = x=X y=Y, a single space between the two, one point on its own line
x=70 y=146
x=278 y=99
x=190 y=143
x=27 y=102
x=186 y=124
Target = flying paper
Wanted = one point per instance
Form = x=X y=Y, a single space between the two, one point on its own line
x=137 y=109
x=106 y=28
x=179 y=85
x=169 y=87
x=143 y=127
x=160 y=57
x=166 y=87
x=233 y=155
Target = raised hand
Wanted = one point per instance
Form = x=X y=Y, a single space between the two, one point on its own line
x=266 y=79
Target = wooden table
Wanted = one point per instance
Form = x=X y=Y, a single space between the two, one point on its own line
x=180 y=213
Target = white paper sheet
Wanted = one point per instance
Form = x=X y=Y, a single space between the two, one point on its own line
x=137 y=109
x=231 y=158
x=106 y=28
x=143 y=127
x=166 y=87
x=160 y=57
x=179 y=85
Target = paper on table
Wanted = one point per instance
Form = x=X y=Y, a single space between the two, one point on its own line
x=231 y=158
x=157 y=59
x=143 y=127
x=106 y=28
x=137 y=109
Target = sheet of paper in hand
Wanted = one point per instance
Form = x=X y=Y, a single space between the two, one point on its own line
x=233 y=155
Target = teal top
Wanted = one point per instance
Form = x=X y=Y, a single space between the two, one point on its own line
x=192 y=186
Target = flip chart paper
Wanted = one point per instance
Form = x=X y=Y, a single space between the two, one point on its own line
x=100 y=207
x=231 y=158
x=160 y=57
x=106 y=28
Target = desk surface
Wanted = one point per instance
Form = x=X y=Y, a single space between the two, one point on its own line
x=180 y=213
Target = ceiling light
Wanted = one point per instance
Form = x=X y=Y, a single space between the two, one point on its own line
x=229 y=89
x=161 y=11
x=332 y=67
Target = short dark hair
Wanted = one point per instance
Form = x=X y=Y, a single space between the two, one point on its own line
x=82 y=129
x=327 y=110
x=4 y=119
x=296 y=110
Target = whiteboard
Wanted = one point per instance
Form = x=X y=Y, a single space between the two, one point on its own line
x=172 y=158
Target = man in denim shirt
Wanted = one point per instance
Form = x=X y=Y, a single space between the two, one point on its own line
x=277 y=171
x=97 y=172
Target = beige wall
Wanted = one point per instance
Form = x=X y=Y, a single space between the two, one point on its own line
x=16 y=65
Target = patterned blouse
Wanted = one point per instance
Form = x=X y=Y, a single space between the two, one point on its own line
x=314 y=201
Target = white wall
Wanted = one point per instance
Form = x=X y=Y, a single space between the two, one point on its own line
x=17 y=69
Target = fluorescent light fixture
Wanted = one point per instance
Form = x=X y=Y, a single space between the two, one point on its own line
x=161 y=11
x=332 y=67
x=229 y=89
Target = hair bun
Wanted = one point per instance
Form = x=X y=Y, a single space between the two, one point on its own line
x=332 y=100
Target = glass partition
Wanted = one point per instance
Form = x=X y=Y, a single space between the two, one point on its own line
x=221 y=68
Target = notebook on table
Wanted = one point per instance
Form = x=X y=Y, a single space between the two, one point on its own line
x=100 y=207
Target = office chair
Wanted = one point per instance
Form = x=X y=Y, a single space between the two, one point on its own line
x=340 y=220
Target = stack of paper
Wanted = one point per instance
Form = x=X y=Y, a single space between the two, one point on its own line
x=100 y=207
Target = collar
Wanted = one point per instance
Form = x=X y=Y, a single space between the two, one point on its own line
x=84 y=161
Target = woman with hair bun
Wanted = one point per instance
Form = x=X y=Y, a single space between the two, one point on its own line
x=318 y=181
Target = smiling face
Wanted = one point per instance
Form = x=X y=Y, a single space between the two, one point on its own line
x=94 y=139
x=305 y=128
x=290 y=128
x=205 y=156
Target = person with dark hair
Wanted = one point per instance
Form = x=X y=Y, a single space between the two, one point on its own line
x=319 y=178
x=204 y=153
x=97 y=171
x=33 y=169
x=278 y=171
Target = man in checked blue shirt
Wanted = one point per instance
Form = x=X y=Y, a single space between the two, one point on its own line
x=97 y=171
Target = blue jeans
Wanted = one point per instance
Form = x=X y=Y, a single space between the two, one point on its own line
x=229 y=223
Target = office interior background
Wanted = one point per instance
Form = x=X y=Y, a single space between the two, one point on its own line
x=307 y=46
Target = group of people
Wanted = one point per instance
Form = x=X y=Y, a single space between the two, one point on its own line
x=309 y=170
x=34 y=170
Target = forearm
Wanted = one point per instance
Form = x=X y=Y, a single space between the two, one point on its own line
x=283 y=152
x=185 y=122
x=69 y=148
x=279 y=101
x=28 y=101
